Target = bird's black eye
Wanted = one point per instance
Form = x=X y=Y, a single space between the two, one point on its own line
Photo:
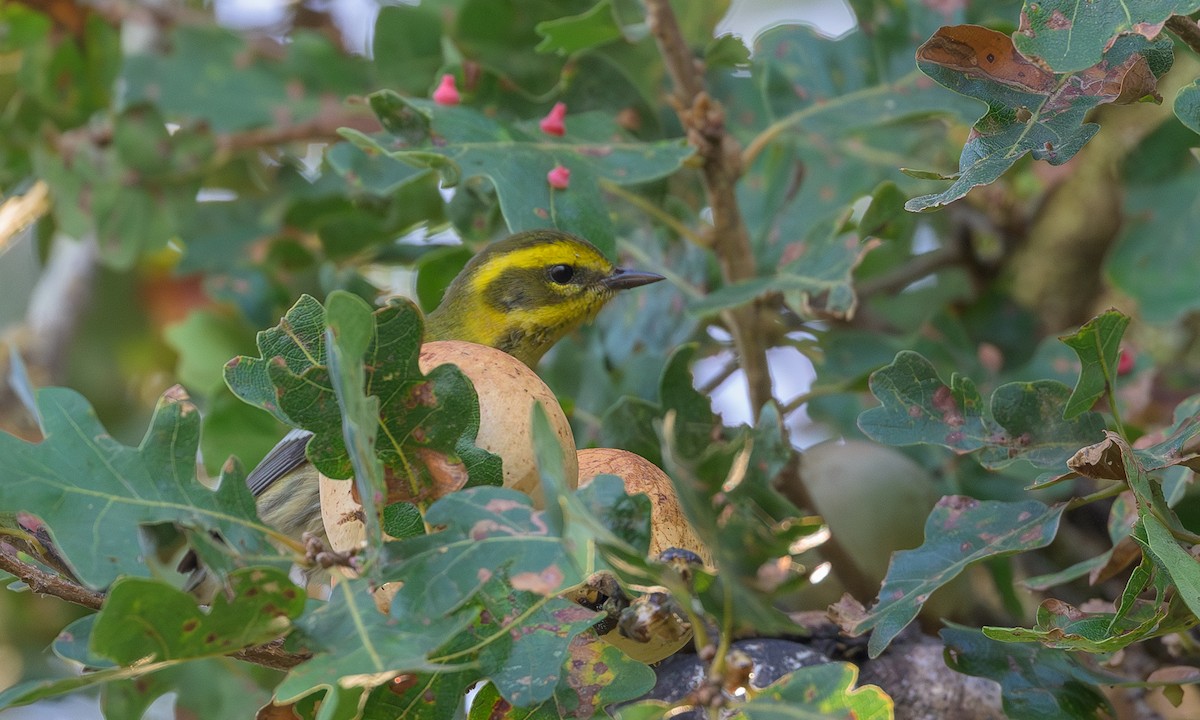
x=562 y=274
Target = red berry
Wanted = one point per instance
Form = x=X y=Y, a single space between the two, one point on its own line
x=446 y=93
x=1125 y=362
x=552 y=124
x=559 y=178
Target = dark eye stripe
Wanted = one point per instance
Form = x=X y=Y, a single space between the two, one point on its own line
x=521 y=289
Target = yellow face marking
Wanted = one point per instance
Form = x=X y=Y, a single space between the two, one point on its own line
x=538 y=256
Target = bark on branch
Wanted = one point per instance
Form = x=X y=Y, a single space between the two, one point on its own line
x=270 y=654
x=703 y=118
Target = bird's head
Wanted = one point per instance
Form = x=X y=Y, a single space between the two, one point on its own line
x=524 y=293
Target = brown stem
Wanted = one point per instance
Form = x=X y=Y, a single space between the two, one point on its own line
x=321 y=128
x=1187 y=29
x=703 y=119
x=47 y=583
x=918 y=267
x=270 y=654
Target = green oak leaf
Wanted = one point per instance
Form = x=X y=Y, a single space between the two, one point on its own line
x=1072 y=36
x=1176 y=446
x=1022 y=420
x=406 y=47
x=566 y=35
x=1030 y=110
x=94 y=493
x=819 y=691
x=1187 y=105
x=133 y=195
x=370 y=171
x=144 y=618
x=1170 y=557
x=428 y=418
x=485 y=531
x=1098 y=345
x=1154 y=260
x=30 y=691
x=147 y=627
x=461 y=142
x=421 y=696
x=207 y=75
x=600 y=676
x=1030 y=418
x=524 y=640
x=959 y=531
x=841 y=116
x=1035 y=682
x=356 y=647
x=918 y=407
x=1060 y=625
x=349 y=333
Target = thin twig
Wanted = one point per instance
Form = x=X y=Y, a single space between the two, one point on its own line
x=797 y=402
x=918 y=267
x=321 y=128
x=654 y=211
x=1187 y=29
x=1102 y=494
x=728 y=369
x=47 y=583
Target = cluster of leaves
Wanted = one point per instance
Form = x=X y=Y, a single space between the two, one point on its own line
x=203 y=164
x=479 y=596
x=918 y=407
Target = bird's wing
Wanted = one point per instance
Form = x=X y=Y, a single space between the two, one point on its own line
x=287 y=455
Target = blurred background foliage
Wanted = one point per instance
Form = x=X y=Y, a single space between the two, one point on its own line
x=192 y=174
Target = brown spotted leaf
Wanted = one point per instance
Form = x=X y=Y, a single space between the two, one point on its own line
x=600 y=675
x=147 y=626
x=918 y=407
x=431 y=417
x=1020 y=421
x=1068 y=35
x=145 y=618
x=960 y=531
x=485 y=532
x=1030 y=108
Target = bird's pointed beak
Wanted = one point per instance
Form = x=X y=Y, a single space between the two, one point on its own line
x=622 y=279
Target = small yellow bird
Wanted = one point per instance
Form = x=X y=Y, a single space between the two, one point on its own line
x=521 y=295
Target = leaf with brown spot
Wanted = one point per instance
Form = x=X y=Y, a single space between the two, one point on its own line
x=980 y=52
x=93 y=494
x=432 y=417
x=1031 y=110
x=1020 y=421
x=169 y=624
x=598 y=675
x=1068 y=36
x=959 y=531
